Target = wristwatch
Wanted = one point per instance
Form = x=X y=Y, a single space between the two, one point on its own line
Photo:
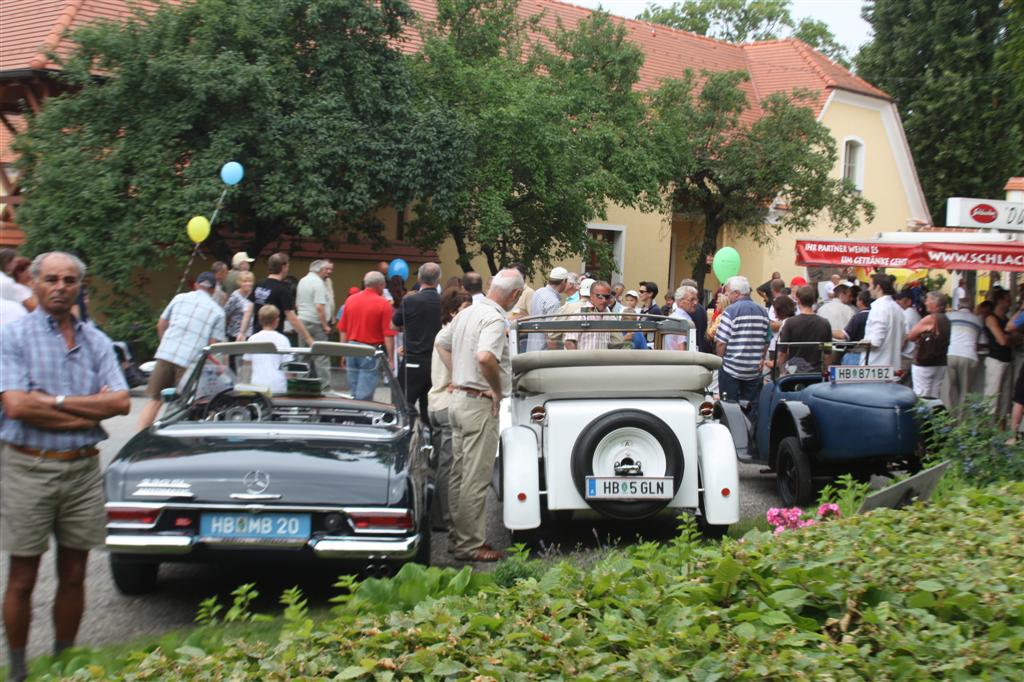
x=58 y=402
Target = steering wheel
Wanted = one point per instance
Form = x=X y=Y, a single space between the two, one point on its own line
x=235 y=407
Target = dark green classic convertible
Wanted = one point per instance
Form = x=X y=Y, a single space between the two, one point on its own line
x=274 y=455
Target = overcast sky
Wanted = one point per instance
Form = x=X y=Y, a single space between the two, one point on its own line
x=842 y=16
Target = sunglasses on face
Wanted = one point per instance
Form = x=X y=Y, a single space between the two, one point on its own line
x=604 y=296
x=643 y=291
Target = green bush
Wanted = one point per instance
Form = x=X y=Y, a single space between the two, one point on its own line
x=930 y=592
x=974 y=443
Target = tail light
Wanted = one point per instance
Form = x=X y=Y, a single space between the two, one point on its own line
x=381 y=520
x=707 y=408
x=142 y=516
x=538 y=414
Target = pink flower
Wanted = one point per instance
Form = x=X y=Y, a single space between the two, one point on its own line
x=828 y=509
x=779 y=530
x=805 y=523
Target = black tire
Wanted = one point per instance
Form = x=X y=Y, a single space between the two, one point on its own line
x=591 y=436
x=133 y=577
x=793 y=474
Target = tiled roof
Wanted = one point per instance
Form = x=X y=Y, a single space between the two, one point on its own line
x=29 y=29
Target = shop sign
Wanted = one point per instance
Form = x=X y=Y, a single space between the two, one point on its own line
x=984 y=213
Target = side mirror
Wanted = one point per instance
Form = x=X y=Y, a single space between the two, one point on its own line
x=168 y=395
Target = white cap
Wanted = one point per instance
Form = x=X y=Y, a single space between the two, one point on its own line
x=585 y=287
x=240 y=257
x=560 y=274
x=633 y=293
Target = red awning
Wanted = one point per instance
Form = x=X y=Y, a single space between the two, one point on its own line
x=1007 y=256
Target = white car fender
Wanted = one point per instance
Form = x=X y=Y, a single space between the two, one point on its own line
x=520 y=478
x=718 y=473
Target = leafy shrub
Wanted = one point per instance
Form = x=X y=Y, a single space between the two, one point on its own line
x=924 y=592
x=974 y=443
x=846 y=492
x=517 y=566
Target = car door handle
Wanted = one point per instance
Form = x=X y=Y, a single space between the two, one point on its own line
x=254 y=496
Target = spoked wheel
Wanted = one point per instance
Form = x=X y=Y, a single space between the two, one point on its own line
x=793 y=474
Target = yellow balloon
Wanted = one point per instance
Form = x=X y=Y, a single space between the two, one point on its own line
x=198 y=229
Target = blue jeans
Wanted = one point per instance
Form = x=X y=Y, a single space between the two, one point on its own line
x=735 y=390
x=362 y=376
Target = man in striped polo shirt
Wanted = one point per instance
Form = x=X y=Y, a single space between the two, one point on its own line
x=741 y=339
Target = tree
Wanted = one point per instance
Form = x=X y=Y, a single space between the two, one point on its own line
x=738 y=21
x=546 y=129
x=963 y=115
x=727 y=173
x=311 y=96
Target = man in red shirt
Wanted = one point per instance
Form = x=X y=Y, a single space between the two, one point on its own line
x=367 y=319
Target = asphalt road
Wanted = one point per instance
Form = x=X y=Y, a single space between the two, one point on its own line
x=111 y=617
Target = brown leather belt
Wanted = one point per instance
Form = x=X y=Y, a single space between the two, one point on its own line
x=472 y=392
x=61 y=455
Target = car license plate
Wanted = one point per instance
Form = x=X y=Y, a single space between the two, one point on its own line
x=629 y=488
x=255 y=526
x=842 y=374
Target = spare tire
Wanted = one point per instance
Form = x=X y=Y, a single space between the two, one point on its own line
x=627 y=433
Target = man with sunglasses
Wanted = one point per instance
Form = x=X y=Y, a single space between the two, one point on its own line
x=600 y=299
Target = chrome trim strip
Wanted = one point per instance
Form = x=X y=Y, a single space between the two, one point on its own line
x=257 y=508
x=284 y=430
x=149 y=544
x=328 y=547
x=131 y=525
x=160 y=492
x=253 y=543
x=254 y=496
x=363 y=548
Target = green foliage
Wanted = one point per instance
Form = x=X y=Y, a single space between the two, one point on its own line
x=714 y=167
x=847 y=492
x=517 y=566
x=928 y=592
x=739 y=21
x=962 y=111
x=311 y=96
x=975 y=444
x=546 y=130
x=412 y=585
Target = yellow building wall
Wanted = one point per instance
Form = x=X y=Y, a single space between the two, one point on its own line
x=882 y=186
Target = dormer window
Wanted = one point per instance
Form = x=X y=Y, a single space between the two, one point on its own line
x=853 y=163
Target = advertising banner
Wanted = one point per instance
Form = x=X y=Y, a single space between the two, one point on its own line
x=990 y=214
x=1007 y=256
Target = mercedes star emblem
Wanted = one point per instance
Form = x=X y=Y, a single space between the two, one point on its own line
x=256 y=481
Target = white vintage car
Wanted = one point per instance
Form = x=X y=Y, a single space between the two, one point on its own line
x=622 y=427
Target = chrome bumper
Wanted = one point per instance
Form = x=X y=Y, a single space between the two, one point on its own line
x=327 y=547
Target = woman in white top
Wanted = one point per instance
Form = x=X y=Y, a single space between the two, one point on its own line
x=452 y=301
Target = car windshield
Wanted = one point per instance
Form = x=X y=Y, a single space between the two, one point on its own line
x=298 y=373
x=592 y=330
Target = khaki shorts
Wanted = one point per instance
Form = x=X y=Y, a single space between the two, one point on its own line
x=165 y=375
x=40 y=497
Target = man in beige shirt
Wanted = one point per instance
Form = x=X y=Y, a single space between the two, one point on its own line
x=474 y=346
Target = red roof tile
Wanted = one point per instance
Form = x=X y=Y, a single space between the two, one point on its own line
x=30 y=29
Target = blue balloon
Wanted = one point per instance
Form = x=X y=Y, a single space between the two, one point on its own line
x=231 y=173
x=398 y=267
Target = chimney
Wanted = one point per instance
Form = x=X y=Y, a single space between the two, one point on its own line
x=1015 y=189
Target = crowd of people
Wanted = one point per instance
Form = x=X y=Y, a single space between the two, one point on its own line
x=449 y=348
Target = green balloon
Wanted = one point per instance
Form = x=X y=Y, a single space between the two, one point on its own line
x=726 y=263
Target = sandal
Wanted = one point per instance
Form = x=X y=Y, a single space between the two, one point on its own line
x=482 y=554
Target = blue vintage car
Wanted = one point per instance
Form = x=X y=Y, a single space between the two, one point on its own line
x=813 y=426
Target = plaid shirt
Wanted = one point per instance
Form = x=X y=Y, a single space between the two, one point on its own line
x=35 y=357
x=194 y=319
x=590 y=340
